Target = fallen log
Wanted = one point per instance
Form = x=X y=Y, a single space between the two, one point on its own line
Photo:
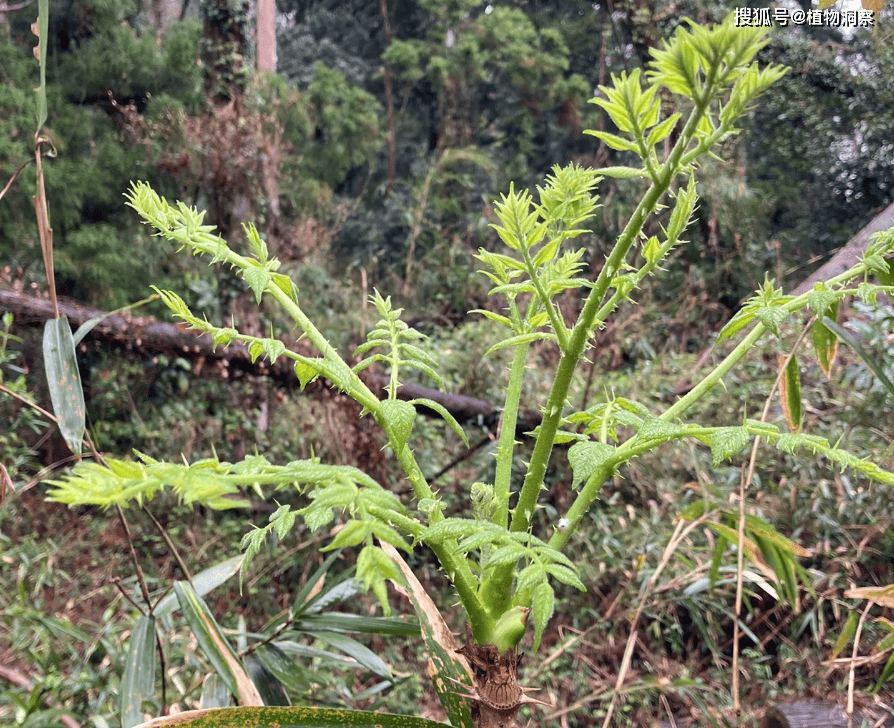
x=148 y=337
x=849 y=254
x=818 y=714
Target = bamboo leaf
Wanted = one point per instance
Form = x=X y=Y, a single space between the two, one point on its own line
x=445 y=665
x=203 y=582
x=64 y=381
x=276 y=717
x=790 y=393
x=847 y=634
x=214 y=645
x=848 y=338
x=41 y=30
x=138 y=681
x=825 y=343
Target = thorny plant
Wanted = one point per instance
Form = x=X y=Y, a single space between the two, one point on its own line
x=500 y=569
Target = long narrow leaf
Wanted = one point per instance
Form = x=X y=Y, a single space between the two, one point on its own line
x=289 y=717
x=215 y=645
x=825 y=343
x=214 y=692
x=363 y=655
x=138 y=682
x=307 y=595
x=790 y=393
x=339 y=622
x=203 y=582
x=41 y=30
x=445 y=665
x=88 y=326
x=272 y=683
x=64 y=381
x=848 y=338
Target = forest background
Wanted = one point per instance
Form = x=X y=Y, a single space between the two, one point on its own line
x=371 y=160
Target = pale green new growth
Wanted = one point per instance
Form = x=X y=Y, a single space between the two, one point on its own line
x=498 y=567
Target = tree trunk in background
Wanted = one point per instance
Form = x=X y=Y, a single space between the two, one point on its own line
x=266 y=35
x=164 y=14
x=389 y=106
x=851 y=253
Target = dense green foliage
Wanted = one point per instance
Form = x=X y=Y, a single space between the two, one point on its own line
x=482 y=98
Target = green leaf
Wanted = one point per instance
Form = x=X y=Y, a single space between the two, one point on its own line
x=203 y=582
x=285 y=284
x=820 y=300
x=885 y=273
x=351 y=534
x=586 y=458
x=285 y=717
x=400 y=416
x=738 y=322
x=727 y=442
x=42 y=32
x=359 y=653
x=886 y=674
x=623 y=172
x=373 y=568
x=274 y=672
x=652 y=251
x=138 y=681
x=825 y=343
x=448 y=666
x=542 y=606
x=566 y=576
x=614 y=142
x=344 y=622
x=305 y=372
x=88 y=326
x=772 y=316
x=273 y=348
x=214 y=645
x=448 y=418
x=654 y=427
x=493 y=317
x=662 y=131
x=451 y=528
x=308 y=596
x=790 y=393
x=214 y=692
x=848 y=338
x=521 y=340
x=258 y=278
x=64 y=380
